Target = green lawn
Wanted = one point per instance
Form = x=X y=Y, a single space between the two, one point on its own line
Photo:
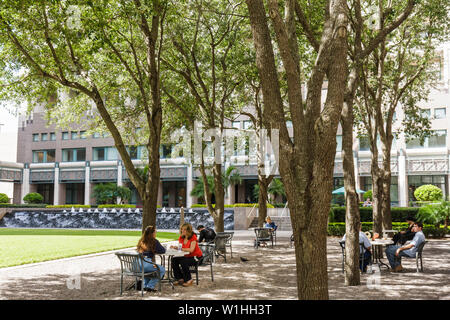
x=22 y=246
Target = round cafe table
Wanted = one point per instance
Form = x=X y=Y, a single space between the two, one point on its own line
x=377 y=246
x=170 y=253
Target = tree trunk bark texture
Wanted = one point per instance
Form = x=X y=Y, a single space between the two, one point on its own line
x=306 y=167
x=352 y=216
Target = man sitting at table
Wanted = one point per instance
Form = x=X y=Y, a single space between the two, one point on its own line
x=395 y=253
x=206 y=234
x=406 y=235
x=368 y=247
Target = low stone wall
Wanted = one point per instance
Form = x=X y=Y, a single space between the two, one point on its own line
x=3 y=212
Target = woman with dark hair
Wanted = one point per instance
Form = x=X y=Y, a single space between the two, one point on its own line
x=180 y=265
x=148 y=245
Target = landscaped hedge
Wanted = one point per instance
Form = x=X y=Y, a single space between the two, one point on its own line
x=399 y=214
x=69 y=206
x=236 y=205
x=101 y=206
x=429 y=230
x=30 y=205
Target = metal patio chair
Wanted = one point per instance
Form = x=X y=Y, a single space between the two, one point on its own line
x=131 y=265
x=230 y=235
x=206 y=260
x=262 y=235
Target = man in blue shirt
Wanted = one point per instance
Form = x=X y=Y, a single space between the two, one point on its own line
x=367 y=248
x=395 y=253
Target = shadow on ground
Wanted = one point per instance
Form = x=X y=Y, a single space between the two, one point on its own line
x=268 y=274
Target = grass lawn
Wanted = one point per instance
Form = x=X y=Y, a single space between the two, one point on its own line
x=22 y=246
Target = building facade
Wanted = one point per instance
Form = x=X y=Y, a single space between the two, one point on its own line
x=64 y=166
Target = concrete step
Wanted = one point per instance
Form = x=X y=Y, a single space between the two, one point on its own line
x=283 y=223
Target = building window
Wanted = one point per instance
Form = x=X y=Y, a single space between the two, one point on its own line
x=166 y=151
x=96 y=135
x=248 y=124
x=65 y=135
x=338 y=143
x=104 y=153
x=364 y=144
x=439 y=113
x=438 y=139
x=414 y=182
x=35 y=137
x=83 y=135
x=74 y=135
x=44 y=136
x=43 y=156
x=70 y=155
x=236 y=124
x=426 y=113
x=52 y=136
x=135 y=152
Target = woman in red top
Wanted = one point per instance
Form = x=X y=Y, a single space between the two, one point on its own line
x=180 y=265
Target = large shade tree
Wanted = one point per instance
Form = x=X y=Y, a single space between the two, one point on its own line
x=395 y=78
x=203 y=62
x=306 y=163
x=95 y=58
x=371 y=22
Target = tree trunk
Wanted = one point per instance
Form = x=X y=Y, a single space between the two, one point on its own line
x=219 y=191
x=262 y=200
x=150 y=195
x=377 y=192
x=181 y=216
x=386 y=182
x=352 y=216
x=306 y=167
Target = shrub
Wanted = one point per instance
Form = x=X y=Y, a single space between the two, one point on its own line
x=428 y=192
x=33 y=197
x=4 y=198
x=69 y=206
x=107 y=193
x=368 y=194
x=399 y=214
x=236 y=205
x=116 y=206
x=32 y=205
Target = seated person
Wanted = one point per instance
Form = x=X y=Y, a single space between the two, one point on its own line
x=180 y=265
x=206 y=234
x=395 y=253
x=149 y=246
x=367 y=203
x=367 y=245
x=270 y=224
x=404 y=236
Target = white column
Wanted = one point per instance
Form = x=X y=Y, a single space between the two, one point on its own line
x=87 y=184
x=189 y=186
x=56 y=187
x=119 y=174
x=119 y=178
x=402 y=181
x=25 y=183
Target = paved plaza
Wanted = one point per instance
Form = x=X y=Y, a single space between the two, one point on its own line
x=268 y=274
